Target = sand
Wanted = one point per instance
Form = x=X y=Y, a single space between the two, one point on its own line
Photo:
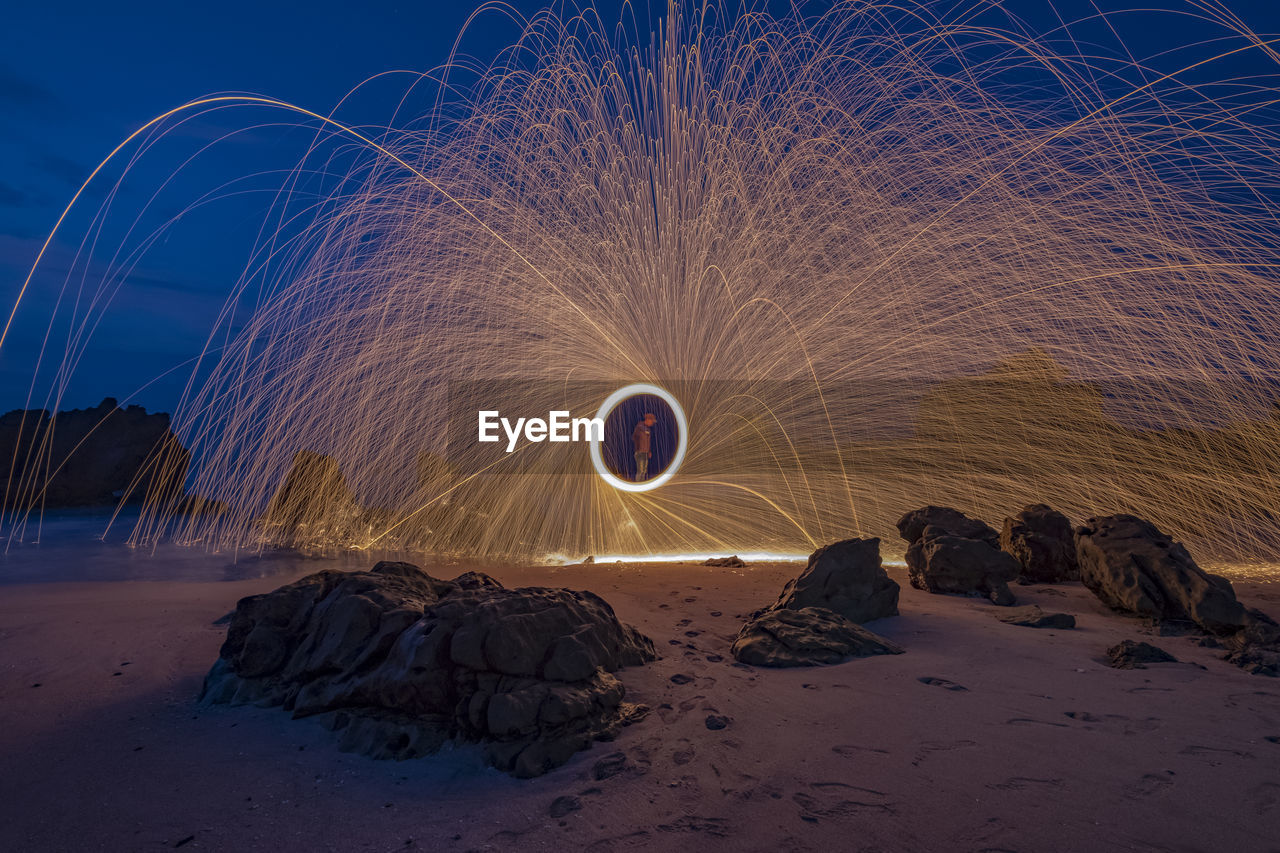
x=1044 y=749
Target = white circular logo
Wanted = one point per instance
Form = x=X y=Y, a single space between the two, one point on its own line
x=682 y=438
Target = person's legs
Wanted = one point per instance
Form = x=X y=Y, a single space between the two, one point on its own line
x=642 y=466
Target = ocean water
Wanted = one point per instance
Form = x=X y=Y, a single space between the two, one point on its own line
x=91 y=545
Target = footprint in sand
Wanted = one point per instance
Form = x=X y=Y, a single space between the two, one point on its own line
x=1082 y=716
x=630 y=841
x=932 y=746
x=1022 y=783
x=835 y=800
x=1028 y=721
x=506 y=838
x=1214 y=754
x=1150 y=784
x=844 y=786
x=943 y=683
x=562 y=806
x=609 y=766
x=848 y=749
x=716 y=827
x=1128 y=725
x=1250 y=698
x=668 y=714
x=1263 y=798
x=617 y=763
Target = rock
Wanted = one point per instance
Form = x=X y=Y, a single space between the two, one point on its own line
x=1128 y=654
x=314 y=505
x=1133 y=567
x=716 y=722
x=1256 y=647
x=1042 y=542
x=846 y=577
x=399 y=663
x=1258 y=660
x=1034 y=617
x=949 y=552
x=87 y=457
x=942 y=562
x=734 y=562
x=947 y=520
x=805 y=637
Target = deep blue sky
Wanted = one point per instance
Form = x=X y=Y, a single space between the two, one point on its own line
x=76 y=78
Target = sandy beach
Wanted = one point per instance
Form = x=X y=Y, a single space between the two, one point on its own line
x=983 y=736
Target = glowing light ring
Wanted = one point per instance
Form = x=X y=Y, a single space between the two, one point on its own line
x=682 y=437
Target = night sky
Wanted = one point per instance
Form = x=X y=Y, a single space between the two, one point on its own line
x=76 y=78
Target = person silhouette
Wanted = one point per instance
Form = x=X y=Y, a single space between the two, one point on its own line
x=640 y=437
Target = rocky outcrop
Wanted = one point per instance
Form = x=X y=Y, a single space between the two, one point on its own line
x=1042 y=542
x=806 y=637
x=1256 y=647
x=399 y=662
x=734 y=562
x=1034 y=617
x=1134 y=568
x=87 y=457
x=947 y=520
x=949 y=552
x=846 y=577
x=814 y=621
x=313 y=505
x=1130 y=654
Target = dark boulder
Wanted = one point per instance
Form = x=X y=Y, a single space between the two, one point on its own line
x=957 y=554
x=1256 y=647
x=734 y=562
x=846 y=577
x=1130 y=654
x=1133 y=567
x=399 y=662
x=806 y=637
x=1042 y=542
x=1034 y=617
x=946 y=520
